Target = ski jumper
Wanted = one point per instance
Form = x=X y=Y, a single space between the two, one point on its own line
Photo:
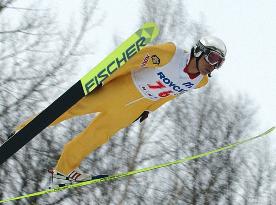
x=152 y=77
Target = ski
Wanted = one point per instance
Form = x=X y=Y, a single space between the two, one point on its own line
x=105 y=178
x=94 y=78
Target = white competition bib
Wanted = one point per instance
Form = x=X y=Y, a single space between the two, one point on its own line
x=156 y=83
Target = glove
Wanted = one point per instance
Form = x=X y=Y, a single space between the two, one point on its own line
x=143 y=116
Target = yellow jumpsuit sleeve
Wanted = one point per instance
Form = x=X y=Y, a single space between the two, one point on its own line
x=164 y=52
x=203 y=82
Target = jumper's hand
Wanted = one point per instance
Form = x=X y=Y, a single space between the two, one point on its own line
x=143 y=116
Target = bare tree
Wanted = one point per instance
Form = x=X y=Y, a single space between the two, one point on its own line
x=173 y=20
x=36 y=57
x=202 y=123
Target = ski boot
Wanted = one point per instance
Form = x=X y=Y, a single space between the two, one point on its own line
x=60 y=180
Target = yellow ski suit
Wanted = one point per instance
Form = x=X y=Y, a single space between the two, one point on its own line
x=118 y=103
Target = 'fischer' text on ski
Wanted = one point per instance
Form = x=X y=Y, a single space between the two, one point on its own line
x=115 y=64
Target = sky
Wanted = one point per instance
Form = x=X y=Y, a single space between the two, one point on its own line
x=247 y=28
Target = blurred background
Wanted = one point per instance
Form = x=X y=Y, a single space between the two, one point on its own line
x=46 y=46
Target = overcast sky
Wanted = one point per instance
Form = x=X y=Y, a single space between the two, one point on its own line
x=249 y=30
x=247 y=27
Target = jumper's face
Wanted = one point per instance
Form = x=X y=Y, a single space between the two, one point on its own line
x=204 y=67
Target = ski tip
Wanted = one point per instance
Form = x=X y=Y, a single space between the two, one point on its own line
x=272 y=129
x=150 y=30
x=150 y=24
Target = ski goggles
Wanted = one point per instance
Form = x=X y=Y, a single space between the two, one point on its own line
x=213 y=57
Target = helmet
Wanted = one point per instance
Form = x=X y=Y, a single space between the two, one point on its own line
x=213 y=49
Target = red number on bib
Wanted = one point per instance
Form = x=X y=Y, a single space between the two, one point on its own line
x=165 y=94
x=158 y=86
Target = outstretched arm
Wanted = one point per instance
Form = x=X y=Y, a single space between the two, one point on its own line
x=149 y=57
